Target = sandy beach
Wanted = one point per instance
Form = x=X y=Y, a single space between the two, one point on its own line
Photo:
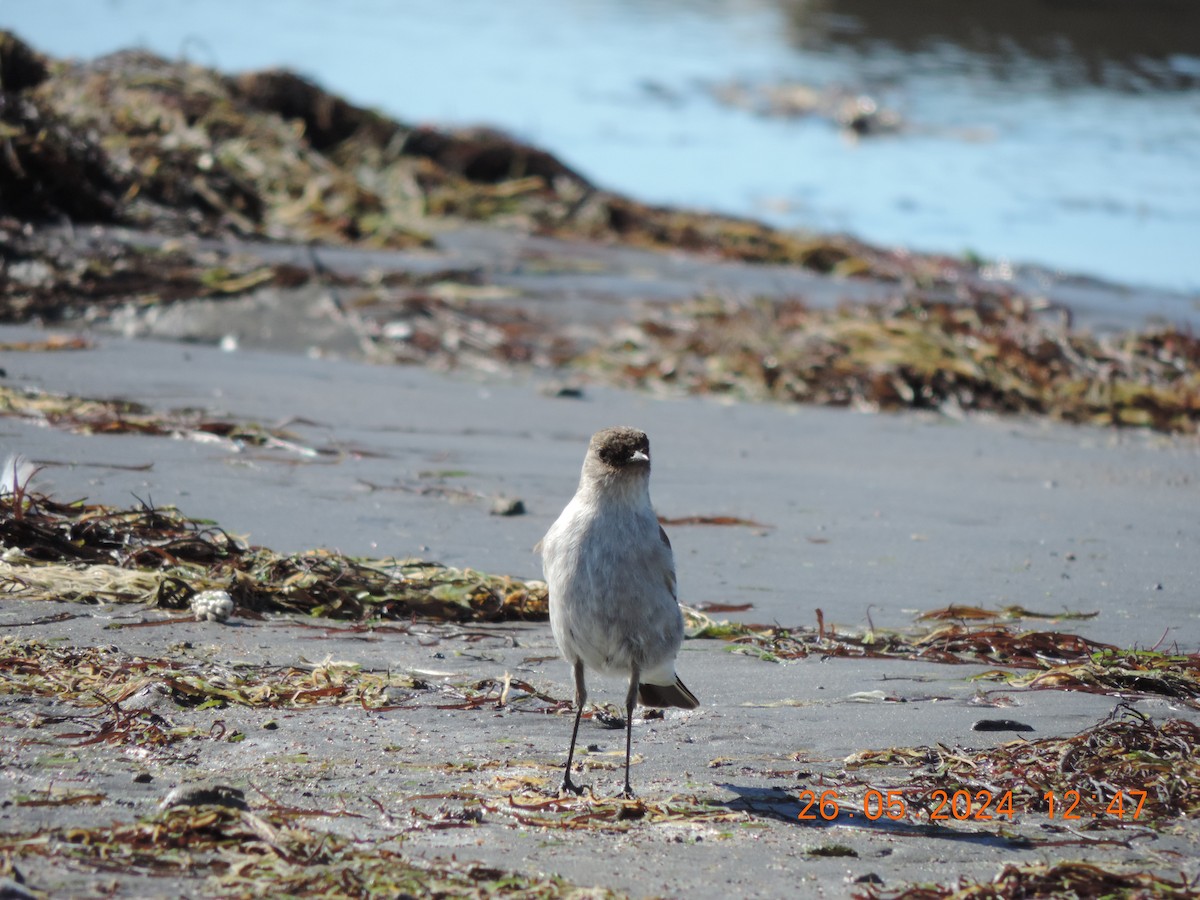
x=870 y=518
x=333 y=374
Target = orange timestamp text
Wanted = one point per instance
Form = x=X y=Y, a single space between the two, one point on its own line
x=977 y=806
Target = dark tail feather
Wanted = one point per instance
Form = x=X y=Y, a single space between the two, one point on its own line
x=675 y=694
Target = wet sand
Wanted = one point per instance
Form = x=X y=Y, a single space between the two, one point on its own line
x=870 y=518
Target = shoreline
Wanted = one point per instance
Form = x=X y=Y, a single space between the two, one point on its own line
x=348 y=750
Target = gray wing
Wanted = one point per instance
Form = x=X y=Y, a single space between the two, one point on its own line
x=670 y=568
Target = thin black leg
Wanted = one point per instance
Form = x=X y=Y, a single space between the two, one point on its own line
x=630 y=701
x=580 y=700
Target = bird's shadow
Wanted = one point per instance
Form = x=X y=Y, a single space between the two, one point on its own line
x=776 y=803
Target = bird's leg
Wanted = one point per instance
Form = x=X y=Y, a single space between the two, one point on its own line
x=580 y=700
x=630 y=700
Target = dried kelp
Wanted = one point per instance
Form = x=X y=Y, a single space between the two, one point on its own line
x=85 y=415
x=1127 y=672
x=1062 y=661
x=106 y=677
x=591 y=813
x=529 y=801
x=957 y=612
x=159 y=556
x=133 y=139
x=1151 y=769
x=52 y=344
x=138 y=140
x=1066 y=880
x=55 y=276
x=418 y=326
x=239 y=852
x=990 y=353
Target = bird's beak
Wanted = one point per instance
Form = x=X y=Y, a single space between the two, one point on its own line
x=639 y=456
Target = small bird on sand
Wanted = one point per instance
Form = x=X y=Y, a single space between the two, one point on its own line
x=611 y=574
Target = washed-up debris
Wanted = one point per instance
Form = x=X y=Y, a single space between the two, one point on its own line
x=160 y=557
x=1069 y=879
x=236 y=852
x=1059 y=660
x=528 y=801
x=205 y=795
x=88 y=677
x=991 y=354
x=507 y=506
x=1000 y=725
x=141 y=141
x=85 y=415
x=103 y=696
x=858 y=114
x=1123 y=770
x=56 y=274
x=212 y=606
x=418 y=326
x=49 y=345
x=962 y=613
x=535 y=809
x=710 y=520
x=173 y=148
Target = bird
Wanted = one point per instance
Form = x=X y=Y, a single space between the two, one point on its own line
x=611 y=576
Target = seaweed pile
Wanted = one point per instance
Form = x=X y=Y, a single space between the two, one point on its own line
x=1068 y=880
x=1053 y=660
x=123 y=689
x=986 y=353
x=176 y=149
x=159 y=556
x=141 y=141
x=105 y=677
x=85 y=415
x=235 y=852
x=1128 y=756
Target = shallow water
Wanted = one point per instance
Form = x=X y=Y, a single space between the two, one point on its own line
x=1066 y=135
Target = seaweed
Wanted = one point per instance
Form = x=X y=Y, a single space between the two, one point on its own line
x=108 y=678
x=987 y=352
x=1071 y=880
x=177 y=147
x=160 y=557
x=240 y=852
x=84 y=415
x=169 y=147
x=1127 y=755
x=1061 y=661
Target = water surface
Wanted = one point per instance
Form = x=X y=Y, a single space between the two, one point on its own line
x=1065 y=134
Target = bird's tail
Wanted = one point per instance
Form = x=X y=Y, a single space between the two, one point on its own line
x=675 y=694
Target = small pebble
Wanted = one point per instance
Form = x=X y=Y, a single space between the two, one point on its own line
x=564 y=389
x=1000 y=725
x=205 y=795
x=508 y=506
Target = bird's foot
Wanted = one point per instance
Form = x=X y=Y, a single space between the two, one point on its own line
x=628 y=793
x=568 y=786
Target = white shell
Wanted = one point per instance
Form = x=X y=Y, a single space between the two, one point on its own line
x=212 y=606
